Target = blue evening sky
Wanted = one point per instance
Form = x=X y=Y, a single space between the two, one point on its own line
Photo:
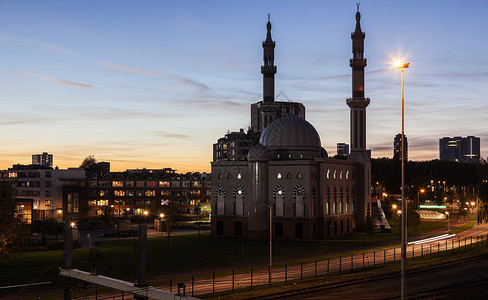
x=155 y=83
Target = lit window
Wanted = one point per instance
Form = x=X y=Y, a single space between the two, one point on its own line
x=328 y=173
x=335 y=174
x=239 y=176
x=117 y=183
x=48 y=203
x=347 y=174
x=341 y=174
x=289 y=156
x=299 y=175
x=278 y=176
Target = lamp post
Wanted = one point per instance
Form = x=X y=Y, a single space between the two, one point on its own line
x=270 y=236
x=448 y=223
x=161 y=215
x=145 y=216
x=403 y=66
x=418 y=197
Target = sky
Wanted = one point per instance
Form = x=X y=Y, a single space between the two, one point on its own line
x=155 y=83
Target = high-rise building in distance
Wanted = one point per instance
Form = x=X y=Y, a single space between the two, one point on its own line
x=342 y=149
x=397 y=146
x=460 y=149
x=44 y=160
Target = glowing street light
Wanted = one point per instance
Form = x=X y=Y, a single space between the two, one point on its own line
x=145 y=216
x=403 y=66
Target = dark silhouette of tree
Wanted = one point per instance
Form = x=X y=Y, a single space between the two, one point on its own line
x=10 y=227
x=88 y=162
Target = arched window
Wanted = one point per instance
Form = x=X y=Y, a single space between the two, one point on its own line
x=220 y=195
x=239 y=176
x=288 y=176
x=279 y=198
x=335 y=174
x=289 y=156
x=328 y=173
x=299 y=175
x=299 y=195
x=341 y=174
x=278 y=156
x=229 y=176
x=221 y=176
x=347 y=174
x=239 y=200
x=278 y=176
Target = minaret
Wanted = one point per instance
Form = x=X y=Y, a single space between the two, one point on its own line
x=268 y=69
x=358 y=104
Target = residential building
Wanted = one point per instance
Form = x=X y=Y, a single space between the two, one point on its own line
x=342 y=149
x=460 y=149
x=44 y=160
x=397 y=147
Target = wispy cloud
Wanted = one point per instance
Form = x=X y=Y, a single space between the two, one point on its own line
x=172 y=135
x=48 y=46
x=178 y=79
x=61 y=81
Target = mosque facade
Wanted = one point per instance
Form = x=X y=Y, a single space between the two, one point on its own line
x=277 y=177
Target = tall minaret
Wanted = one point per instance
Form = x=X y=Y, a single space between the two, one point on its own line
x=358 y=104
x=268 y=69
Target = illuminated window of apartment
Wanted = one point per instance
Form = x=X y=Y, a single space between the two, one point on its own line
x=341 y=174
x=117 y=183
x=103 y=183
x=328 y=173
x=92 y=202
x=119 y=193
x=151 y=184
x=140 y=183
x=335 y=174
x=299 y=175
x=12 y=175
x=347 y=174
x=164 y=183
x=129 y=183
x=102 y=202
x=278 y=176
x=130 y=193
x=150 y=193
x=47 y=203
x=73 y=202
x=102 y=193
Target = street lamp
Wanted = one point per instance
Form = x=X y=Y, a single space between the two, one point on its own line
x=418 y=197
x=403 y=66
x=448 y=223
x=270 y=238
x=145 y=216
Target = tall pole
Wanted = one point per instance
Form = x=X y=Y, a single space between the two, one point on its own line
x=477 y=197
x=404 y=206
x=270 y=237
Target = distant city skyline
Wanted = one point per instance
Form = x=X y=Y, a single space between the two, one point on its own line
x=153 y=84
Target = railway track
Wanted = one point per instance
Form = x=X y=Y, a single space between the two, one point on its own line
x=425 y=294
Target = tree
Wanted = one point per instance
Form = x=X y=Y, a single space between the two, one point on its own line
x=10 y=226
x=369 y=228
x=88 y=162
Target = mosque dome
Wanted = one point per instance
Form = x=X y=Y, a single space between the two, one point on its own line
x=290 y=132
x=259 y=153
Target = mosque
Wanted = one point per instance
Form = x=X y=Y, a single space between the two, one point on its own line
x=277 y=179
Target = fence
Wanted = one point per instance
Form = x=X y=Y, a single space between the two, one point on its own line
x=253 y=276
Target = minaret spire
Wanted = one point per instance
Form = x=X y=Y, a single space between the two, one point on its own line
x=357 y=105
x=358 y=102
x=268 y=69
